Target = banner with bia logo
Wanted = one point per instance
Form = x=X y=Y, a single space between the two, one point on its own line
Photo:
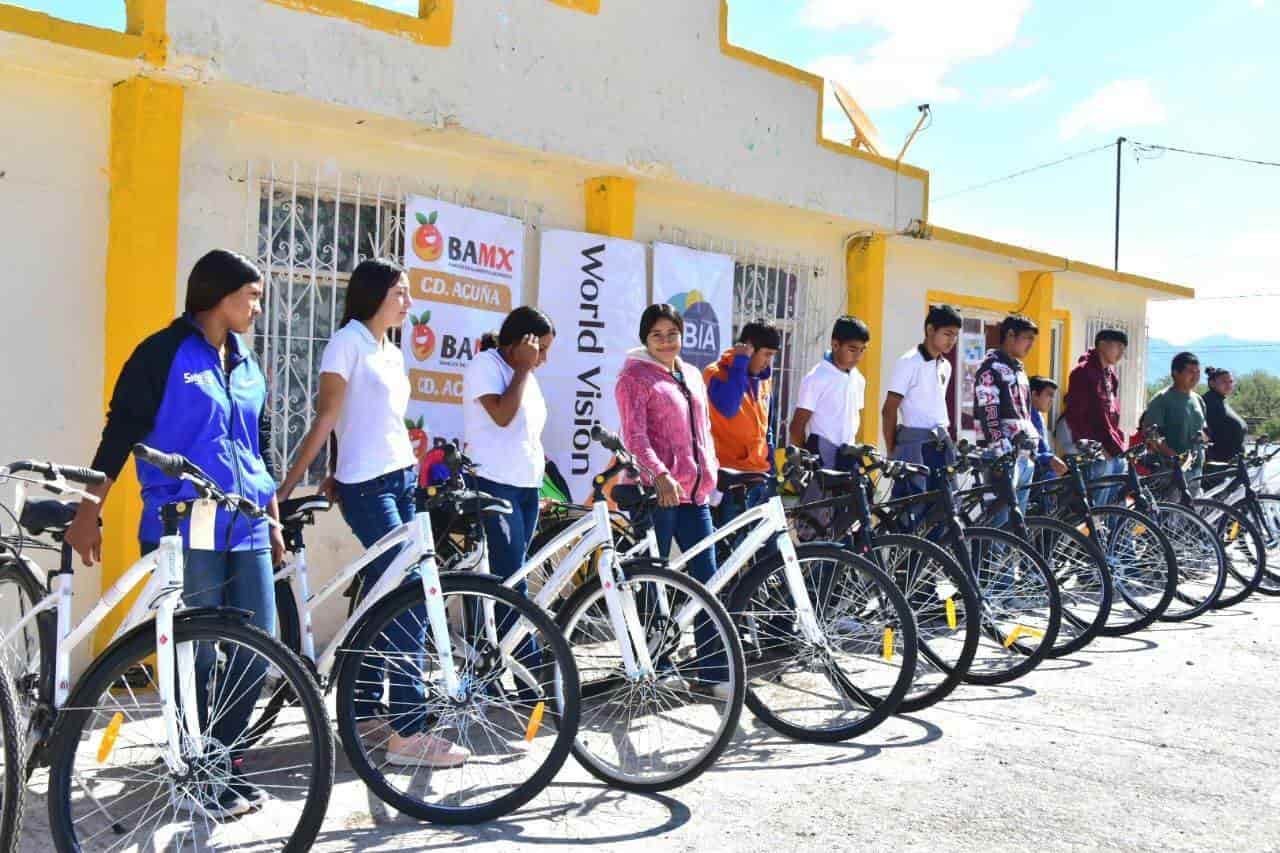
x=700 y=286
x=466 y=269
x=593 y=288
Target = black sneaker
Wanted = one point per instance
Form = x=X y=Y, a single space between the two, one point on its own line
x=202 y=802
x=247 y=791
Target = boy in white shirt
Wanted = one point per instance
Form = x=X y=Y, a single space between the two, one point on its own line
x=916 y=403
x=829 y=409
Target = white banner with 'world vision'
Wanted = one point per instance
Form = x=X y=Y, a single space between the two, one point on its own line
x=466 y=269
x=700 y=286
x=593 y=288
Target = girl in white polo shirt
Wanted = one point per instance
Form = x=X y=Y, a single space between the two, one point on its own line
x=364 y=392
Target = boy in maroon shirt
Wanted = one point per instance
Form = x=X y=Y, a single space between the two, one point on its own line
x=1093 y=405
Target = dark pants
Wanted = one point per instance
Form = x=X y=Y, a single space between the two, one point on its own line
x=241 y=580
x=373 y=509
x=688 y=525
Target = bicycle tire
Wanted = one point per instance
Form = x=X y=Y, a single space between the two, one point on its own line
x=13 y=784
x=1200 y=557
x=570 y=617
x=1080 y=623
x=1025 y=614
x=898 y=618
x=564 y=717
x=1243 y=545
x=70 y=732
x=29 y=665
x=969 y=619
x=1129 y=615
x=1265 y=511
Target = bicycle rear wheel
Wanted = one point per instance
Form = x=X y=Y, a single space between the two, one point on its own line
x=516 y=717
x=1143 y=567
x=1202 y=564
x=20 y=656
x=1243 y=546
x=655 y=733
x=947 y=611
x=12 y=775
x=1265 y=512
x=1021 y=605
x=111 y=788
x=844 y=682
x=1084 y=582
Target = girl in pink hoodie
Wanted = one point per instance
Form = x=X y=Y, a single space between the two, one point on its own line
x=666 y=424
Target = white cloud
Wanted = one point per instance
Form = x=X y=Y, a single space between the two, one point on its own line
x=1257 y=4
x=1119 y=105
x=1021 y=93
x=923 y=42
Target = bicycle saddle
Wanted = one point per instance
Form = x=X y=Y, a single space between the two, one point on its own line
x=727 y=481
x=632 y=496
x=50 y=515
x=299 y=510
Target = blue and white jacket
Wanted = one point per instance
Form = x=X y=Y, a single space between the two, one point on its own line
x=174 y=395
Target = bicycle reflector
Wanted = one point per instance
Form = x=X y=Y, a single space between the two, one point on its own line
x=109 y=736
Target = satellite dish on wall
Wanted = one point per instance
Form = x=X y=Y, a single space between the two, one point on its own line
x=866 y=135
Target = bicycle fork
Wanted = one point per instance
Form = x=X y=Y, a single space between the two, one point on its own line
x=437 y=619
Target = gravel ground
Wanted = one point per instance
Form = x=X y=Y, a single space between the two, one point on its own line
x=1164 y=741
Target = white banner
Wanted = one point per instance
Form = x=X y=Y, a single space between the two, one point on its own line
x=593 y=288
x=466 y=269
x=700 y=286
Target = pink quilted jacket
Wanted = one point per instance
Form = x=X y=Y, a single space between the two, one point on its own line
x=656 y=423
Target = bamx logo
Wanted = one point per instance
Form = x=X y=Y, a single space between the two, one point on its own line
x=480 y=254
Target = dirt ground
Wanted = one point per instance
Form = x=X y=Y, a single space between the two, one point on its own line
x=1162 y=741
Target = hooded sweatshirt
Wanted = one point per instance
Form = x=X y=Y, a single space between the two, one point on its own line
x=1002 y=398
x=667 y=429
x=739 y=413
x=1093 y=403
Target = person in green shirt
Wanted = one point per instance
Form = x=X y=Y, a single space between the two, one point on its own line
x=1179 y=411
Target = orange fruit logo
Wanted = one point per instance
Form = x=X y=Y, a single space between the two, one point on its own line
x=428 y=242
x=424 y=338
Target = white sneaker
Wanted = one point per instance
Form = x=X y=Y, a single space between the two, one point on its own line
x=424 y=750
x=203 y=802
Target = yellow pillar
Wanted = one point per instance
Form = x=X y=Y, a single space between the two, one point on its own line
x=1035 y=293
x=864 y=266
x=142 y=267
x=146 y=18
x=611 y=207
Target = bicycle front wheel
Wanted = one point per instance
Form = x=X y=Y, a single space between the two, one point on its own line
x=947 y=611
x=1144 y=568
x=475 y=754
x=111 y=786
x=1021 y=605
x=1243 y=546
x=1084 y=582
x=655 y=732
x=1265 y=512
x=12 y=777
x=1202 y=564
x=842 y=679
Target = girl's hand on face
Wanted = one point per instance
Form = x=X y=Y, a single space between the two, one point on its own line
x=524 y=355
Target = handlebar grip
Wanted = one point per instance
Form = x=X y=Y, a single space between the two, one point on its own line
x=172 y=464
x=606 y=439
x=83 y=476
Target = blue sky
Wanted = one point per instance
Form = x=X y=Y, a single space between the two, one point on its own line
x=1014 y=83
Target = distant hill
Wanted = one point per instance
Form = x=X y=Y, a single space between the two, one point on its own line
x=1235 y=354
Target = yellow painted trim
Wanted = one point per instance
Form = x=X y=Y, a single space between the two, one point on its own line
x=864 y=264
x=611 y=206
x=149 y=20
x=433 y=25
x=38 y=25
x=965 y=300
x=591 y=7
x=1068 y=354
x=142 y=265
x=1035 y=298
x=813 y=81
x=1061 y=264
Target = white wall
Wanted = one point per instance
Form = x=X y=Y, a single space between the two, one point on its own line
x=641 y=86
x=53 y=192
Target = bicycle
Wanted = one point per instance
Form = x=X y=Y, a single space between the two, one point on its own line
x=943 y=599
x=12 y=777
x=144 y=747
x=429 y=642
x=1079 y=566
x=829 y=640
x=1141 y=560
x=1232 y=484
x=1201 y=561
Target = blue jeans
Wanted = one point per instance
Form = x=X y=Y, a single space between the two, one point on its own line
x=373 y=509
x=688 y=525
x=1024 y=471
x=1103 y=468
x=507 y=538
x=242 y=580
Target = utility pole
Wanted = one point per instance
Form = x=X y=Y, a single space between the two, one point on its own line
x=1120 y=141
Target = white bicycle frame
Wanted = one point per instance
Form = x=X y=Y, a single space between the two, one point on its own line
x=416 y=542
x=161 y=596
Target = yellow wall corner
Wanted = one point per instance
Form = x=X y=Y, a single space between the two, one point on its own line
x=865 y=271
x=611 y=206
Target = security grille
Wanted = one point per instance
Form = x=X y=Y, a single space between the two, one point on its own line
x=308 y=230
x=791 y=290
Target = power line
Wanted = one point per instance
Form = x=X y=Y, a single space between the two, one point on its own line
x=1022 y=172
x=1143 y=146
x=1222 y=348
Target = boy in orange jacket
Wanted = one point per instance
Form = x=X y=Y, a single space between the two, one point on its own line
x=740 y=390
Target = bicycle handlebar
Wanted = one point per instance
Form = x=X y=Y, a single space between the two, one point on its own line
x=50 y=471
x=606 y=439
x=181 y=468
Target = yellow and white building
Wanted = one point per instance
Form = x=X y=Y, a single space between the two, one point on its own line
x=292 y=130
